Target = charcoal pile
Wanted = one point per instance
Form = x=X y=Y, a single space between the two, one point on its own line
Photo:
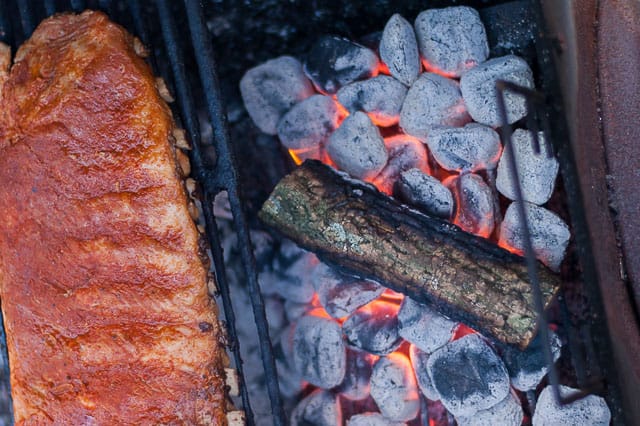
x=413 y=112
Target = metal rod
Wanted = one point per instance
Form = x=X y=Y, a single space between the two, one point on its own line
x=190 y=121
x=227 y=167
x=532 y=269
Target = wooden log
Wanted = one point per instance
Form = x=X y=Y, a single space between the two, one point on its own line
x=350 y=224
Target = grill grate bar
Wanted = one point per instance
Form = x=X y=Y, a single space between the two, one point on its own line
x=535 y=99
x=227 y=174
x=188 y=111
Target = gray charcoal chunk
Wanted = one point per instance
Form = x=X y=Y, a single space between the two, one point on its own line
x=425 y=192
x=537 y=173
x=399 y=50
x=505 y=413
x=340 y=295
x=320 y=408
x=372 y=419
x=374 y=328
x=478 y=87
x=291 y=281
x=474 y=204
x=468 y=375
x=424 y=327
x=549 y=233
x=309 y=123
x=469 y=148
x=380 y=97
x=527 y=368
x=394 y=389
x=355 y=385
x=419 y=361
x=334 y=62
x=432 y=101
x=405 y=152
x=319 y=353
x=451 y=40
x=592 y=410
x=271 y=89
x=357 y=147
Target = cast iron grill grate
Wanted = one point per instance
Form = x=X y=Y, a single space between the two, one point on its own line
x=177 y=36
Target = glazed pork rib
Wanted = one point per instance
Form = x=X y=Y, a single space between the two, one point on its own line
x=102 y=282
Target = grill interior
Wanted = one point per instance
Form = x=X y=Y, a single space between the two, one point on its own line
x=181 y=49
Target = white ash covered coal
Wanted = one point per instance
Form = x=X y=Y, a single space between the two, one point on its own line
x=357 y=147
x=394 y=389
x=271 y=89
x=508 y=412
x=528 y=367
x=374 y=328
x=425 y=192
x=321 y=408
x=372 y=419
x=424 y=327
x=419 y=360
x=536 y=171
x=340 y=295
x=452 y=40
x=432 y=101
x=356 y=383
x=381 y=97
x=399 y=50
x=479 y=89
x=319 y=352
x=405 y=153
x=414 y=114
x=549 y=233
x=468 y=375
x=475 y=208
x=470 y=148
x=591 y=410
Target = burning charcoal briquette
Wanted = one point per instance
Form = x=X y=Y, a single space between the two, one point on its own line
x=505 y=413
x=357 y=147
x=374 y=328
x=309 y=123
x=592 y=410
x=394 y=389
x=271 y=89
x=452 y=40
x=319 y=353
x=536 y=172
x=320 y=408
x=334 y=62
x=355 y=385
x=549 y=233
x=405 y=152
x=432 y=101
x=340 y=295
x=474 y=204
x=380 y=97
x=399 y=50
x=527 y=368
x=424 y=327
x=468 y=375
x=372 y=419
x=469 y=148
x=478 y=87
x=419 y=361
x=425 y=192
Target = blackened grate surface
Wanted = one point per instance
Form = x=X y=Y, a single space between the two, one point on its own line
x=213 y=162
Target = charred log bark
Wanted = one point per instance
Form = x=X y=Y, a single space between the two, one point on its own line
x=351 y=225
